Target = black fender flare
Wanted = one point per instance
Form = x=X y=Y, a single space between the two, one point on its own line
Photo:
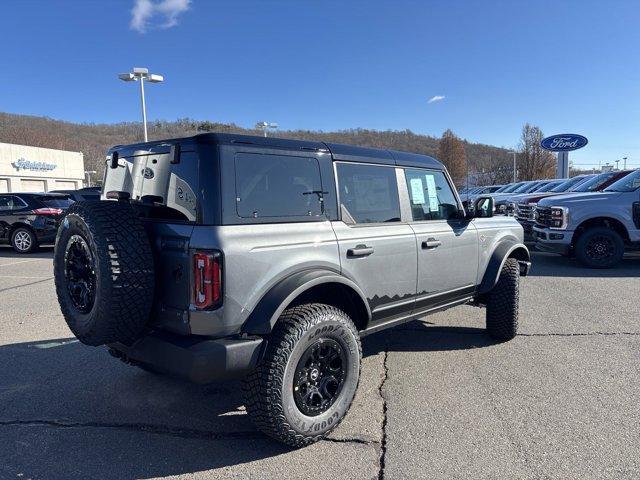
x=266 y=313
x=504 y=250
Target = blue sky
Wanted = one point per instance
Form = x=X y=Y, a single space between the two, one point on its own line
x=325 y=65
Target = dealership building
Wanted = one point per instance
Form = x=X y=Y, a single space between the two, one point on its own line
x=35 y=169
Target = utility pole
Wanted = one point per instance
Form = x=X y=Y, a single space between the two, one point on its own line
x=514 y=165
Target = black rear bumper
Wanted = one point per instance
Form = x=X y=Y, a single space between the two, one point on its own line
x=198 y=359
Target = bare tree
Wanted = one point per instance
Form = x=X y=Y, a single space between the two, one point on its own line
x=451 y=152
x=534 y=162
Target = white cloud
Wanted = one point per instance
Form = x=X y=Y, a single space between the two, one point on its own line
x=149 y=14
x=436 y=98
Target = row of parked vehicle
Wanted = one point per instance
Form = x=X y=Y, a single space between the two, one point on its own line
x=28 y=220
x=594 y=217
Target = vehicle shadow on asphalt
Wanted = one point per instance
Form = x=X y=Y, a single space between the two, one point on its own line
x=72 y=411
x=422 y=336
x=550 y=265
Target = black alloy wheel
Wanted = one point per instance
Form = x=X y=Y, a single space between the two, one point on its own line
x=79 y=270
x=319 y=377
x=600 y=248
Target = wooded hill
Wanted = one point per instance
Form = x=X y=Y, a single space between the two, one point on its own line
x=93 y=140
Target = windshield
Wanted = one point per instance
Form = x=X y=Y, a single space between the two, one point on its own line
x=523 y=187
x=513 y=187
x=593 y=184
x=531 y=187
x=566 y=185
x=492 y=189
x=503 y=188
x=629 y=183
x=547 y=187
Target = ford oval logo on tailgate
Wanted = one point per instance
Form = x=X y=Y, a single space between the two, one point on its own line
x=563 y=143
x=147 y=173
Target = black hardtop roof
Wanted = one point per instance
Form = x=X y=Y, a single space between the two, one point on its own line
x=338 y=151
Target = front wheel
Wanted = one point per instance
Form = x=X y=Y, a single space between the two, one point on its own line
x=502 y=302
x=600 y=247
x=306 y=382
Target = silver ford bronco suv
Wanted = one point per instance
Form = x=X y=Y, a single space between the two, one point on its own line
x=227 y=256
x=595 y=227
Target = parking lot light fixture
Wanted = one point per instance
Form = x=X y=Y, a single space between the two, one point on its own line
x=140 y=75
x=264 y=126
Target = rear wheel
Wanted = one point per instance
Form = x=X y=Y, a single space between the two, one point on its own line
x=306 y=382
x=104 y=273
x=502 y=302
x=23 y=240
x=599 y=247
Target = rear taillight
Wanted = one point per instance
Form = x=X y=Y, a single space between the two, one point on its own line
x=48 y=211
x=207 y=275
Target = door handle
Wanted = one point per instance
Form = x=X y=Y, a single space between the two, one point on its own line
x=431 y=243
x=359 y=251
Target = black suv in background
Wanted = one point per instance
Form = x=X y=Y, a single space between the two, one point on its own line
x=82 y=194
x=30 y=219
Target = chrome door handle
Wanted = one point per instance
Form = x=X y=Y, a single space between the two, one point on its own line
x=359 y=251
x=431 y=243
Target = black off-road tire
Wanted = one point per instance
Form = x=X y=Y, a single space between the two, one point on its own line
x=19 y=236
x=122 y=265
x=612 y=240
x=269 y=391
x=502 y=303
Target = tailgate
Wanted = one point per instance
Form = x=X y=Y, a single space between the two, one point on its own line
x=170 y=245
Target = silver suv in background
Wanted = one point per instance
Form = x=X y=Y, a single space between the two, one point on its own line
x=595 y=227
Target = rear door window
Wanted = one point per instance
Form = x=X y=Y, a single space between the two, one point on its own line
x=277 y=186
x=11 y=202
x=368 y=194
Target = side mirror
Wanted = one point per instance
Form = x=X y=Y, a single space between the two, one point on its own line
x=483 y=207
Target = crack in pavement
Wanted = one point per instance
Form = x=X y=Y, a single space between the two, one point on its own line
x=383 y=443
x=360 y=441
x=138 y=427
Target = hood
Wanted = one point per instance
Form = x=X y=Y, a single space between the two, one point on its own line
x=536 y=197
x=567 y=199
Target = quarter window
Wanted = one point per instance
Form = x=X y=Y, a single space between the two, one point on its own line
x=277 y=186
x=430 y=195
x=368 y=194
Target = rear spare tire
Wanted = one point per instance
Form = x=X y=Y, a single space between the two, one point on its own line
x=104 y=275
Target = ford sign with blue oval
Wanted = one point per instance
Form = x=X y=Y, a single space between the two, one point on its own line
x=564 y=142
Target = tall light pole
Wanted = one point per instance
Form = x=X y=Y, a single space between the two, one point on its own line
x=140 y=75
x=625 y=162
x=264 y=126
x=617 y=162
x=514 y=165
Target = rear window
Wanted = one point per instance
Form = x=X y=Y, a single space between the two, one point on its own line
x=57 y=202
x=368 y=193
x=277 y=186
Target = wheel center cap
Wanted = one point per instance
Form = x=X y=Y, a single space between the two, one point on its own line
x=314 y=374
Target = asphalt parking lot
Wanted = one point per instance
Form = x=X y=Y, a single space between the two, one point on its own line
x=437 y=399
